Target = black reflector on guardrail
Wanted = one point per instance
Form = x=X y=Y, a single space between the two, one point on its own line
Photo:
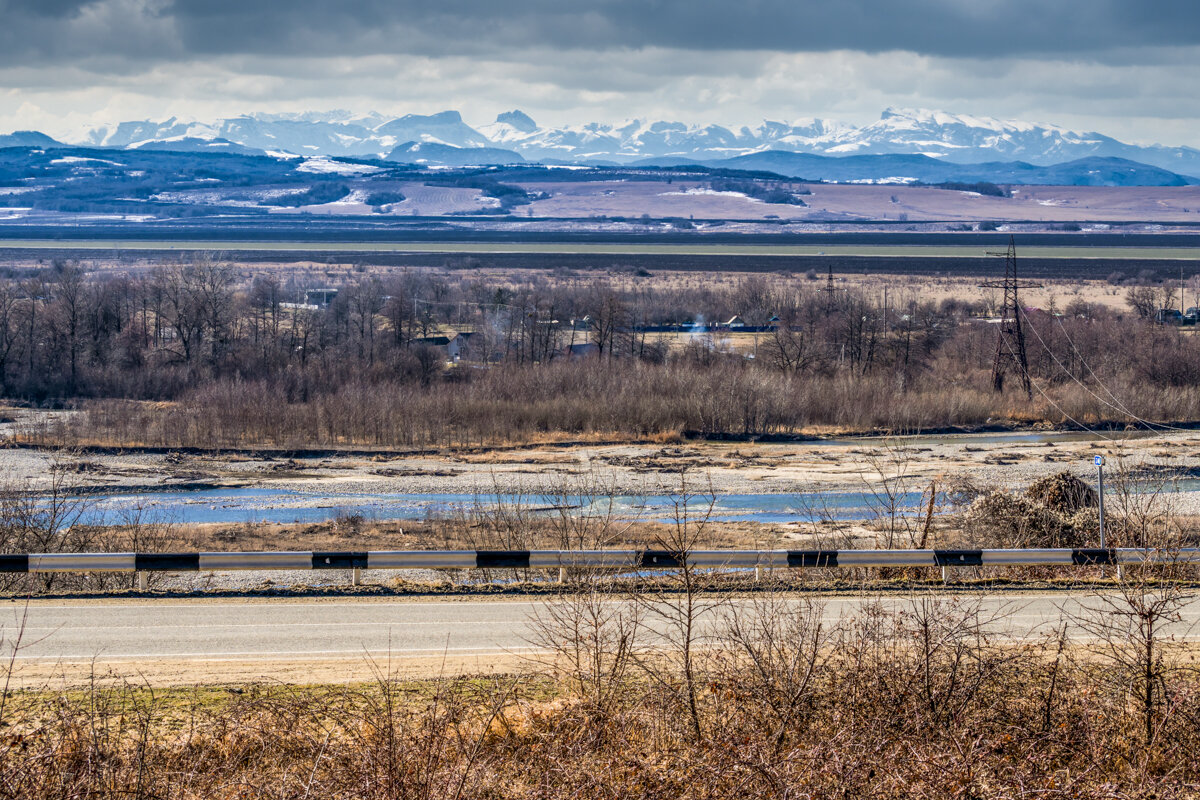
x=502 y=559
x=812 y=558
x=958 y=558
x=1093 y=556
x=168 y=562
x=658 y=558
x=14 y=563
x=339 y=560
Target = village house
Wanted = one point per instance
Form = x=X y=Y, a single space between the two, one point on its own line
x=450 y=344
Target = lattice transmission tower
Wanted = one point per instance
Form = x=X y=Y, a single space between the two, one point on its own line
x=1010 y=339
x=829 y=291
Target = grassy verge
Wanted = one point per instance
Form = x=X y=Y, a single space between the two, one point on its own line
x=919 y=702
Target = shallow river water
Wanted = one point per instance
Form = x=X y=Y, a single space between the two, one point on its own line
x=259 y=504
x=284 y=506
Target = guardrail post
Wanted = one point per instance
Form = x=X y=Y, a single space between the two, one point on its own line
x=458 y=564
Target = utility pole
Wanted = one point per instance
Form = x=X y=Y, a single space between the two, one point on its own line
x=829 y=290
x=1010 y=339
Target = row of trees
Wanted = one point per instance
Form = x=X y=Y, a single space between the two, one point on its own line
x=68 y=333
x=204 y=333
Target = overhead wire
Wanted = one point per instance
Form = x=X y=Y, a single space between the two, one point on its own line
x=479 y=303
x=1118 y=406
x=1124 y=408
x=1060 y=409
x=1063 y=367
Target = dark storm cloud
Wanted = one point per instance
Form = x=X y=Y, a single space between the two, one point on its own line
x=49 y=33
x=937 y=27
x=41 y=8
x=33 y=30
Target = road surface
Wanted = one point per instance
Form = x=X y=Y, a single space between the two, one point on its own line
x=237 y=639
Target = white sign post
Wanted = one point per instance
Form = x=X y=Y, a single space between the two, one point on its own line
x=1099 y=462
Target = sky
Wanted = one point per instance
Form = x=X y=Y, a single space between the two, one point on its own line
x=1127 y=69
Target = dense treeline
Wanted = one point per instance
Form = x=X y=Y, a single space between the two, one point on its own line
x=245 y=362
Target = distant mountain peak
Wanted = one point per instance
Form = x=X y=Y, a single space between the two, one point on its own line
x=935 y=118
x=27 y=139
x=449 y=155
x=958 y=138
x=440 y=118
x=517 y=119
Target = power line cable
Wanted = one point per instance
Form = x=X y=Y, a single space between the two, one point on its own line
x=1118 y=406
x=1068 y=372
x=467 y=303
x=1124 y=408
x=1061 y=410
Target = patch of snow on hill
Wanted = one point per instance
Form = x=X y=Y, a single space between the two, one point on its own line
x=355 y=198
x=710 y=193
x=892 y=179
x=81 y=160
x=327 y=166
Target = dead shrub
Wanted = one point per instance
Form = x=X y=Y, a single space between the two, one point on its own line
x=1062 y=492
x=1002 y=519
x=899 y=698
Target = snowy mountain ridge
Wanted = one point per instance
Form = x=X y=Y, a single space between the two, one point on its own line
x=958 y=138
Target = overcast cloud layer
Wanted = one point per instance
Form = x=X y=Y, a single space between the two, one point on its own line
x=1125 y=68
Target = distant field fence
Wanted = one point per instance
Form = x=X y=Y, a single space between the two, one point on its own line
x=579 y=559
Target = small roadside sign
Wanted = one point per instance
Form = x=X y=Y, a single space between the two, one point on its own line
x=1098 y=461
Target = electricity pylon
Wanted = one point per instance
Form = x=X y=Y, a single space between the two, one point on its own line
x=1010 y=339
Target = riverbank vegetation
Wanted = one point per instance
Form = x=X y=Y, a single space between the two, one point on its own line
x=200 y=355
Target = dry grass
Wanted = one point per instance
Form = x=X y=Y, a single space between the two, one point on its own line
x=920 y=703
x=601 y=403
x=353 y=533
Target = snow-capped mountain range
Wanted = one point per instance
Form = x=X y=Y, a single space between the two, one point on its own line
x=514 y=136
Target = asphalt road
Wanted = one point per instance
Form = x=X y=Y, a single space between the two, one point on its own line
x=249 y=630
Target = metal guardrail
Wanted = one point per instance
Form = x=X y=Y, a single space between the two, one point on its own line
x=562 y=559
